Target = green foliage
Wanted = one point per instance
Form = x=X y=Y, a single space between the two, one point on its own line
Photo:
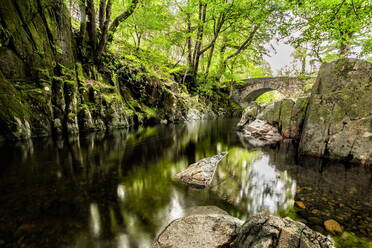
x=333 y=24
x=171 y=37
x=268 y=97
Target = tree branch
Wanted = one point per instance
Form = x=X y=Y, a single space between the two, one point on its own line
x=121 y=18
x=245 y=44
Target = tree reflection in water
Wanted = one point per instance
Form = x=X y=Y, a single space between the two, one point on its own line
x=118 y=189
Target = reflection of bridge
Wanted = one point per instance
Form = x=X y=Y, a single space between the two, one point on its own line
x=254 y=87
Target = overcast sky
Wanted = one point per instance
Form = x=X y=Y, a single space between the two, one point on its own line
x=280 y=58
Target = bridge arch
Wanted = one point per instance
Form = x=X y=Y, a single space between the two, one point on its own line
x=252 y=96
x=252 y=88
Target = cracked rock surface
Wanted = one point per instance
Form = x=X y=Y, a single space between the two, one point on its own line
x=266 y=231
x=200 y=174
x=199 y=231
x=338 y=122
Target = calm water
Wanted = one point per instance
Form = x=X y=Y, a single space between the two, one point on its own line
x=117 y=190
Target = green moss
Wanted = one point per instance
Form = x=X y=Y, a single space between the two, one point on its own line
x=71 y=115
x=291 y=213
x=84 y=106
x=70 y=82
x=111 y=97
x=11 y=104
x=350 y=240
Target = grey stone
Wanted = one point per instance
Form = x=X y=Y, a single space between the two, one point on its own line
x=200 y=174
x=249 y=114
x=202 y=231
x=338 y=121
x=265 y=231
x=260 y=133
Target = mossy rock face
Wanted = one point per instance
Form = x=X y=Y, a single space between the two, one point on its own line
x=72 y=102
x=37 y=96
x=298 y=117
x=286 y=107
x=14 y=115
x=11 y=65
x=286 y=114
x=338 y=120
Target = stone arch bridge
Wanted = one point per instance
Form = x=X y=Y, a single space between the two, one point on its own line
x=252 y=88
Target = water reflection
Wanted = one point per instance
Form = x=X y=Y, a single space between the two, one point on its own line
x=118 y=189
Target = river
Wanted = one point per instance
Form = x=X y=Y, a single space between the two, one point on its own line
x=117 y=189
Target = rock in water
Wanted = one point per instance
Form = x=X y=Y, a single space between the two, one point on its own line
x=264 y=231
x=333 y=227
x=338 y=122
x=200 y=174
x=199 y=231
x=260 y=133
x=249 y=114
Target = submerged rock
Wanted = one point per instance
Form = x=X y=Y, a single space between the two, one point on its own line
x=201 y=231
x=333 y=226
x=200 y=174
x=260 y=133
x=262 y=231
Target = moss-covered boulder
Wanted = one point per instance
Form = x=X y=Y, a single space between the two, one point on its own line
x=338 y=121
x=287 y=115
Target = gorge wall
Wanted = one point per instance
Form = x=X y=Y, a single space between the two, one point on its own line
x=47 y=87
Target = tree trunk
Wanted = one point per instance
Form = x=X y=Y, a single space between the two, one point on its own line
x=303 y=65
x=104 y=31
x=91 y=27
x=199 y=39
x=344 y=50
x=188 y=40
x=102 y=14
x=210 y=56
x=83 y=20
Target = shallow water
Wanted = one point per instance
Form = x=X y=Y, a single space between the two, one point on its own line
x=118 y=189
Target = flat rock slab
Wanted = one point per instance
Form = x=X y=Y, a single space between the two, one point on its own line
x=260 y=133
x=200 y=174
x=199 y=231
x=266 y=231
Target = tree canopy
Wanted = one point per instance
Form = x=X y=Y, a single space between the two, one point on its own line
x=221 y=40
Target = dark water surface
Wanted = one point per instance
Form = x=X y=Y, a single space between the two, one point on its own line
x=117 y=190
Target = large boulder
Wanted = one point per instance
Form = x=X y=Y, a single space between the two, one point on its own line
x=260 y=133
x=264 y=231
x=200 y=174
x=249 y=114
x=202 y=231
x=287 y=115
x=338 y=122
